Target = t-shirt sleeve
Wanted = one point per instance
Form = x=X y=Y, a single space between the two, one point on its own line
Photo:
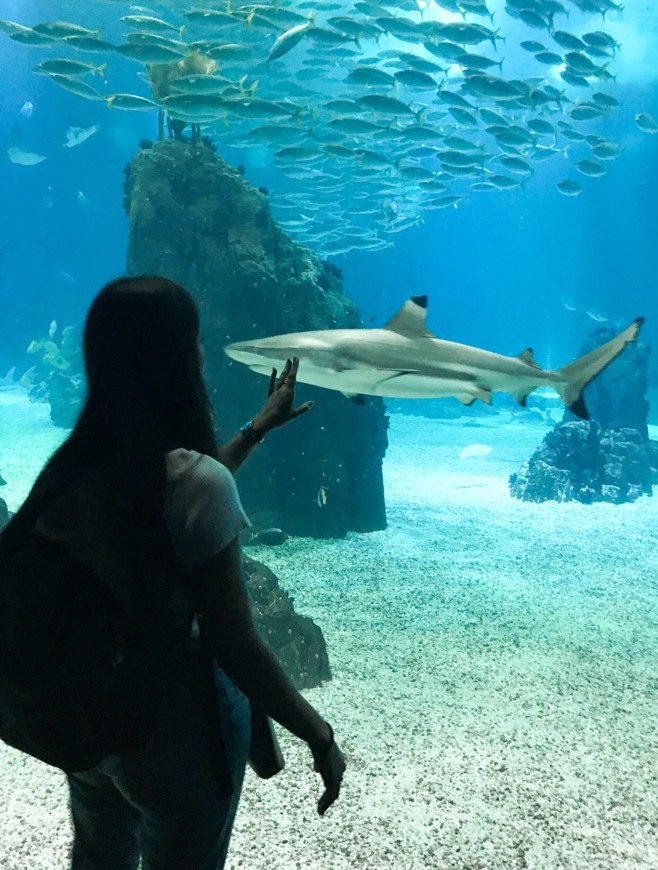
x=203 y=511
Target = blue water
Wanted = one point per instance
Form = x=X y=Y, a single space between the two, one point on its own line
x=494 y=268
x=494 y=660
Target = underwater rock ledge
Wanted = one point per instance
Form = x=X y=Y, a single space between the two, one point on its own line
x=583 y=462
x=194 y=219
x=608 y=458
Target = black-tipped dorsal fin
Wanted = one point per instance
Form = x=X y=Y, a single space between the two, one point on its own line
x=410 y=319
x=527 y=357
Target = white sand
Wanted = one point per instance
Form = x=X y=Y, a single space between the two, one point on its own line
x=494 y=666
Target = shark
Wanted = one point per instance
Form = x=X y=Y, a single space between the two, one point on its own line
x=404 y=360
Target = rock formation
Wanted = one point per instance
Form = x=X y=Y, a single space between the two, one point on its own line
x=296 y=640
x=581 y=461
x=196 y=220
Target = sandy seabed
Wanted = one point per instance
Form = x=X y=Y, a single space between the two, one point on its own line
x=494 y=675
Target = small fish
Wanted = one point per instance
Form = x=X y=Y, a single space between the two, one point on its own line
x=581 y=64
x=62 y=29
x=130 y=102
x=532 y=46
x=27 y=109
x=605 y=100
x=76 y=86
x=475 y=451
x=568 y=40
x=645 y=122
x=551 y=58
x=322 y=496
x=606 y=150
x=586 y=112
x=596 y=316
x=150 y=23
x=67 y=67
x=590 y=168
x=89 y=43
x=52 y=329
x=566 y=301
x=269 y=537
x=569 y=188
x=26 y=35
x=288 y=41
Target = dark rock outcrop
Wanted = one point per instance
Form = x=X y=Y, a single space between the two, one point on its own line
x=196 y=220
x=296 y=640
x=581 y=461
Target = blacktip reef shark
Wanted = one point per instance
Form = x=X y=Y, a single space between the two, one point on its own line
x=404 y=360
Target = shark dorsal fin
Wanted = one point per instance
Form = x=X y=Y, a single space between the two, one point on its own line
x=526 y=356
x=410 y=319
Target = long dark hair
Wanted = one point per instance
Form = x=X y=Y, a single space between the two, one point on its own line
x=146 y=395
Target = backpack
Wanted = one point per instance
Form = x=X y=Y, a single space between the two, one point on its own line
x=81 y=677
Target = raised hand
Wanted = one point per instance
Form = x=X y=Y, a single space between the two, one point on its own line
x=279 y=408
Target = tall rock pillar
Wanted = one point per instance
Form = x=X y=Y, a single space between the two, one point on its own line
x=194 y=219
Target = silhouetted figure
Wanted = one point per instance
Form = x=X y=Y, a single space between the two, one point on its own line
x=142 y=484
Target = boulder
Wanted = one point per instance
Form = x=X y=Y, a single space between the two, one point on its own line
x=296 y=640
x=581 y=461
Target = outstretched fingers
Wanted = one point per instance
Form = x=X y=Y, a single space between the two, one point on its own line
x=302 y=409
x=271 y=387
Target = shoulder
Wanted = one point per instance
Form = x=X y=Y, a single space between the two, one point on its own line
x=188 y=466
x=202 y=506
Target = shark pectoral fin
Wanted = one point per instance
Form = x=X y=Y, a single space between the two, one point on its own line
x=401 y=374
x=475 y=393
x=357 y=398
x=410 y=319
x=521 y=396
x=527 y=357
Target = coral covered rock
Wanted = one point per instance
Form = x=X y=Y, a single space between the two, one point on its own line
x=196 y=220
x=581 y=461
x=57 y=375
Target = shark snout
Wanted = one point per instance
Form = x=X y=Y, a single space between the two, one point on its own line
x=241 y=351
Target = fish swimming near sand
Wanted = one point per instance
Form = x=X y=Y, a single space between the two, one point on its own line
x=405 y=360
x=475 y=451
x=269 y=537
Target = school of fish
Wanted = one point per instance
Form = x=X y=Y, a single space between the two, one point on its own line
x=373 y=112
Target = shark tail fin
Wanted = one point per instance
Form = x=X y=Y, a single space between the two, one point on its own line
x=577 y=375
